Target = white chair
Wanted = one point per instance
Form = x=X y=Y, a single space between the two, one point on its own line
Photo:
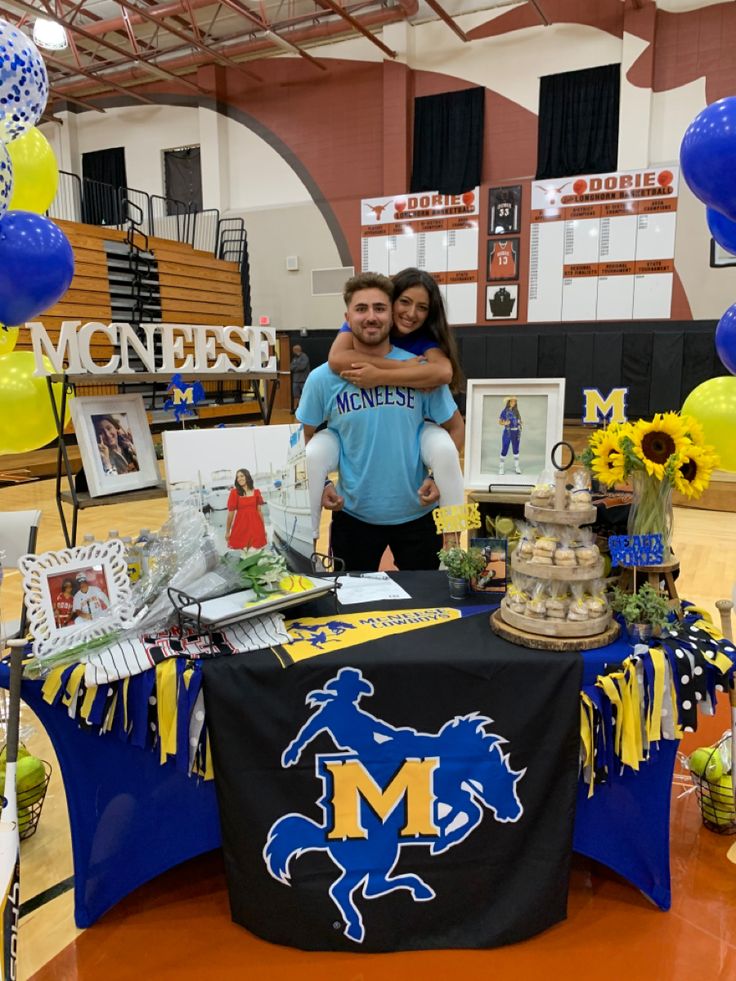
x=18 y=533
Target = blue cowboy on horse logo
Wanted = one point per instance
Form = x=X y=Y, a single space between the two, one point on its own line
x=386 y=788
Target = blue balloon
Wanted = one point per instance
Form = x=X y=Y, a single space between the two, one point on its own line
x=726 y=339
x=36 y=266
x=722 y=229
x=708 y=156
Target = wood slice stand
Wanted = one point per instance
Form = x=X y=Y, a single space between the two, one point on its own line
x=545 y=643
x=550 y=633
x=560 y=573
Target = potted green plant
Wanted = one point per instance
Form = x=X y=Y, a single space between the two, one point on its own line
x=646 y=611
x=462 y=565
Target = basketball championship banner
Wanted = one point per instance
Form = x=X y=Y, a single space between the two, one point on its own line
x=431 y=231
x=414 y=792
x=602 y=246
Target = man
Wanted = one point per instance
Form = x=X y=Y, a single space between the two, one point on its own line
x=383 y=489
x=90 y=602
x=299 y=369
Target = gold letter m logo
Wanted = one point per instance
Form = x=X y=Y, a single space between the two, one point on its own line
x=413 y=783
x=186 y=396
x=596 y=409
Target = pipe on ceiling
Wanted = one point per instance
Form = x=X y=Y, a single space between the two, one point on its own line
x=179 y=8
x=253 y=46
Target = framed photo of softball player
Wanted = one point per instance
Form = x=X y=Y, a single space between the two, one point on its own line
x=503 y=259
x=504 y=207
x=511 y=427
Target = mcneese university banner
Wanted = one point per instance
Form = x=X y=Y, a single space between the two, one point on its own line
x=416 y=791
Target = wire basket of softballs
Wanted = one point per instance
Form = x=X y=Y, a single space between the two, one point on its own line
x=711 y=773
x=31 y=783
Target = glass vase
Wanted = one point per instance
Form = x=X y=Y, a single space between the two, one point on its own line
x=651 y=509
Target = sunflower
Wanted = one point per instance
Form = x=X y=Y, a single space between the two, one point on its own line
x=694 y=430
x=656 y=441
x=607 y=462
x=693 y=469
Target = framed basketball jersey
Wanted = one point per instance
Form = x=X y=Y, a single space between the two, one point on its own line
x=504 y=206
x=503 y=258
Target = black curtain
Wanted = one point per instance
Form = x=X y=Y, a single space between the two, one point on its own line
x=183 y=174
x=448 y=141
x=578 y=122
x=103 y=174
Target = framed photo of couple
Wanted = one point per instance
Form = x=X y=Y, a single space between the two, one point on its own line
x=511 y=426
x=115 y=443
x=75 y=595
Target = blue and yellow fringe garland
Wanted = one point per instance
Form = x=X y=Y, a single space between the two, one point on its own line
x=648 y=697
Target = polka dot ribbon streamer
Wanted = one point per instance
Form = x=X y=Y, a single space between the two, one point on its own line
x=651 y=696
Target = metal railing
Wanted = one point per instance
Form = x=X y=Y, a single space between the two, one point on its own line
x=96 y=203
x=232 y=240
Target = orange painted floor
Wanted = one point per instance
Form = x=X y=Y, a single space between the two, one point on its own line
x=179 y=927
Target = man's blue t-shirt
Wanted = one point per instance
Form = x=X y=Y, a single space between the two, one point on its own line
x=380 y=463
x=417 y=343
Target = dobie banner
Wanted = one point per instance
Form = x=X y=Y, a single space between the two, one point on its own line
x=412 y=792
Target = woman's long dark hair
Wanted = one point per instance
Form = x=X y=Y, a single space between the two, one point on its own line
x=248 y=481
x=436 y=322
x=515 y=409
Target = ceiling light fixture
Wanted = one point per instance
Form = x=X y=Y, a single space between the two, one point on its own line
x=50 y=35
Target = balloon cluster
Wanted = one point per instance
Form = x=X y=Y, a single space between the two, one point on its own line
x=708 y=159
x=36 y=259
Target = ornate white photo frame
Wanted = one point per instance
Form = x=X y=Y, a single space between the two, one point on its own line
x=495 y=460
x=115 y=443
x=98 y=603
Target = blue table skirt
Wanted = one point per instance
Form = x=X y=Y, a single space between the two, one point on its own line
x=132 y=818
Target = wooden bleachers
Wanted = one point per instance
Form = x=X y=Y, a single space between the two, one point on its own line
x=195 y=288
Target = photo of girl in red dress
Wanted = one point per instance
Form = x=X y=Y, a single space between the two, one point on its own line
x=245 y=527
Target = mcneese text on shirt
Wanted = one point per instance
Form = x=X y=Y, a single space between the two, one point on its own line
x=370 y=398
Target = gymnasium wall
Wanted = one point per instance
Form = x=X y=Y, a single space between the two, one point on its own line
x=295 y=153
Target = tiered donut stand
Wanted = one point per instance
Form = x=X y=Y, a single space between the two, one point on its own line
x=553 y=634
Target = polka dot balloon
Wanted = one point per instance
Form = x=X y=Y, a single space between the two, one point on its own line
x=24 y=84
x=6 y=179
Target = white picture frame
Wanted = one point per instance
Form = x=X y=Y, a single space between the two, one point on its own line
x=115 y=443
x=202 y=466
x=540 y=405
x=98 y=602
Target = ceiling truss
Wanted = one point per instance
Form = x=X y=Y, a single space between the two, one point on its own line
x=118 y=47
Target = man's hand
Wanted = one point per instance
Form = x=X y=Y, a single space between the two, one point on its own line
x=331 y=500
x=428 y=492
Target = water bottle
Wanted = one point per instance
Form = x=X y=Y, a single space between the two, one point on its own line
x=132 y=559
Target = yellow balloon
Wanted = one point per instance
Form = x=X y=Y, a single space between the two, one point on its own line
x=8 y=338
x=26 y=416
x=713 y=404
x=35 y=173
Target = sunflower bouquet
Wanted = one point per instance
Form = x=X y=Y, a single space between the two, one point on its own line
x=657 y=456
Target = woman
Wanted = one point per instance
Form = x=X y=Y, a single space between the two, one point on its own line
x=64 y=603
x=420 y=327
x=245 y=527
x=115 y=446
x=510 y=419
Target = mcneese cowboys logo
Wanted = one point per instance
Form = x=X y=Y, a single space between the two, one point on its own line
x=385 y=789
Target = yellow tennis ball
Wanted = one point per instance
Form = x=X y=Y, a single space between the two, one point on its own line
x=29 y=780
x=718 y=807
x=706 y=762
x=24 y=819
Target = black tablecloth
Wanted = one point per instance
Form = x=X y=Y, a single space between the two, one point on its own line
x=416 y=791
